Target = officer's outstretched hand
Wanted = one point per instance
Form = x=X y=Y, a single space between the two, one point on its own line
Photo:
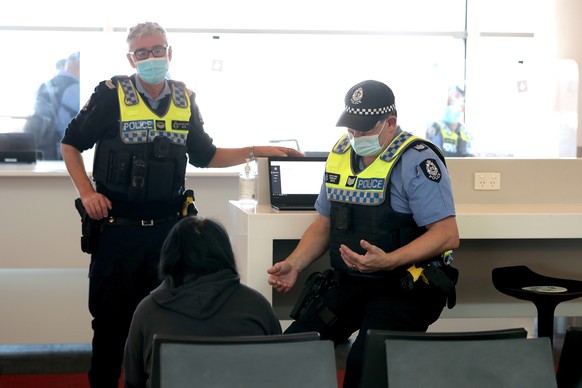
x=373 y=260
x=276 y=151
x=282 y=276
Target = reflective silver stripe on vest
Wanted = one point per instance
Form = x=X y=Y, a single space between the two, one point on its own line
x=129 y=92
x=176 y=138
x=357 y=197
x=390 y=152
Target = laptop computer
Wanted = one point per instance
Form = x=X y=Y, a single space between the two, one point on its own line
x=295 y=182
x=17 y=147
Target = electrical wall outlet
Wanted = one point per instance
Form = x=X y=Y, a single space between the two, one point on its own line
x=487 y=181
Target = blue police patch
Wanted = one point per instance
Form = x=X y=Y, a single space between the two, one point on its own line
x=430 y=168
x=370 y=184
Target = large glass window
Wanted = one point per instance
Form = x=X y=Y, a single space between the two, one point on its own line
x=264 y=72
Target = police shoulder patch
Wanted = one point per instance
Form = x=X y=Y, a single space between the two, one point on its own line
x=430 y=168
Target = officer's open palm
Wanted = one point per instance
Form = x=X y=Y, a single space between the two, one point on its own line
x=373 y=260
x=282 y=276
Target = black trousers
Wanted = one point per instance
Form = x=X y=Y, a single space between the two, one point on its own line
x=362 y=304
x=124 y=269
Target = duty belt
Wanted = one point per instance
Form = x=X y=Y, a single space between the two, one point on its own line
x=121 y=221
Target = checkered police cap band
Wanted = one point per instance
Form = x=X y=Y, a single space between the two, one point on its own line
x=370 y=111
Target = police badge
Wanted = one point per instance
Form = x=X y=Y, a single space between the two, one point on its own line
x=357 y=96
x=431 y=170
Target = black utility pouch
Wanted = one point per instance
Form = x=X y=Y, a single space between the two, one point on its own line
x=315 y=287
x=137 y=183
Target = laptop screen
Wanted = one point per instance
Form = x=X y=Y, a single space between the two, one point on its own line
x=295 y=182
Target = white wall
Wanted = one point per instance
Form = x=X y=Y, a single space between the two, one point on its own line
x=43 y=273
x=568 y=30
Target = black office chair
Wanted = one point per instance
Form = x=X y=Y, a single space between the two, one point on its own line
x=286 y=361
x=374 y=374
x=543 y=291
x=481 y=363
x=569 y=372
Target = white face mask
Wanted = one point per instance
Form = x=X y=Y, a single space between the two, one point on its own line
x=366 y=145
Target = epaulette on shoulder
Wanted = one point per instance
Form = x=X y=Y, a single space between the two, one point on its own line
x=112 y=83
x=421 y=144
x=178 y=83
x=182 y=85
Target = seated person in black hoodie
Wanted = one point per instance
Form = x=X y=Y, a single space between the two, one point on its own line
x=201 y=294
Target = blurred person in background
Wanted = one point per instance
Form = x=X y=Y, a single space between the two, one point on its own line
x=56 y=103
x=449 y=133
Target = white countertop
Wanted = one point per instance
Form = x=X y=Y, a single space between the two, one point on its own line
x=486 y=221
x=58 y=169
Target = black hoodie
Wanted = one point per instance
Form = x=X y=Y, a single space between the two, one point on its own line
x=212 y=305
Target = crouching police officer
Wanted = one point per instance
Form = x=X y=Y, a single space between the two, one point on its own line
x=386 y=205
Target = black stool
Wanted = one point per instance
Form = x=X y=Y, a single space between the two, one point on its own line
x=545 y=292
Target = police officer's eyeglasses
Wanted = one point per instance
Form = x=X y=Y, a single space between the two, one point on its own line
x=157 y=52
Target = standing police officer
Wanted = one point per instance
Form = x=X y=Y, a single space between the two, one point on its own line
x=449 y=134
x=386 y=205
x=146 y=128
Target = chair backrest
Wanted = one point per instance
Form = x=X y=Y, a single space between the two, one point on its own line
x=286 y=360
x=483 y=363
x=569 y=373
x=374 y=362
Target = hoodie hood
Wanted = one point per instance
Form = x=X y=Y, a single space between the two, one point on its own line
x=200 y=298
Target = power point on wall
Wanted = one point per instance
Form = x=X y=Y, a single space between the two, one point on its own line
x=487 y=181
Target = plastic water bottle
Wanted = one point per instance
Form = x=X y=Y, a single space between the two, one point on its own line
x=247 y=193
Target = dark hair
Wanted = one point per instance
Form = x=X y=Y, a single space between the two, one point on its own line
x=194 y=247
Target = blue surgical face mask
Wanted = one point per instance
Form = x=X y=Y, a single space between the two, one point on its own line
x=366 y=145
x=452 y=114
x=152 y=70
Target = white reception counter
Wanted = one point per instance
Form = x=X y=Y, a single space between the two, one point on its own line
x=43 y=273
